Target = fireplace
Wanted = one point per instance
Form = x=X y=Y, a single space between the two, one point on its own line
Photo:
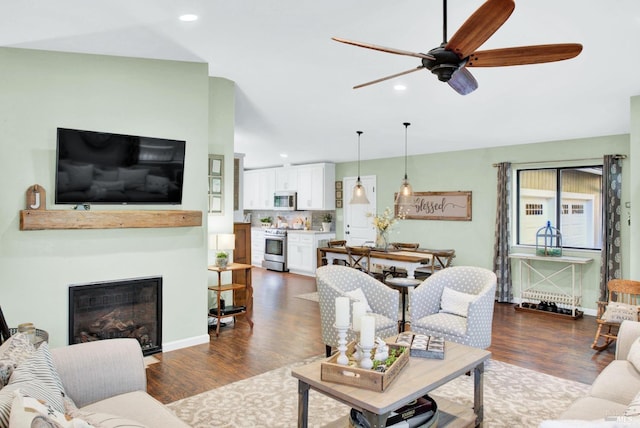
x=121 y=308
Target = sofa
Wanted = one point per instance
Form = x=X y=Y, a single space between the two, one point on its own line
x=102 y=382
x=614 y=397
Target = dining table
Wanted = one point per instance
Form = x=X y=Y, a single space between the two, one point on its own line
x=409 y=260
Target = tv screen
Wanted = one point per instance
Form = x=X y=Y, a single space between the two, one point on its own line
x=105 y=168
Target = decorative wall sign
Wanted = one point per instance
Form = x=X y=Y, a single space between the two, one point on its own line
x=437 y=206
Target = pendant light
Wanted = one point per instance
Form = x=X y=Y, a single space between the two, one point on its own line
x=405 y=188
x=359 y=195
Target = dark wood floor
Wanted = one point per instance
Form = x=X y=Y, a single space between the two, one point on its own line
x=287 y=329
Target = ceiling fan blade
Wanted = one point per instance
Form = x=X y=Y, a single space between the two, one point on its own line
x=463 y=81
x=383 y=49
x=389 y=77
x=524 y=55
x=480 y=26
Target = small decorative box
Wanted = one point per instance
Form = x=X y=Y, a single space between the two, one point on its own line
x=421 y=345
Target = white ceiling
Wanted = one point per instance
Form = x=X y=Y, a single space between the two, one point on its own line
x=294 y=83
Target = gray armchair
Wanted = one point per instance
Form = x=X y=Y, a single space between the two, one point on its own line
x=335 y=281
x=455 y=303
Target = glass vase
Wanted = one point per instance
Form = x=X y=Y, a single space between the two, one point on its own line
x=382 y=240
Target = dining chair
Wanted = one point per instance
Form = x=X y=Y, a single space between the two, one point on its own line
x=360 y=258
x=442 y=259
x=337 y=243
x=394 y=271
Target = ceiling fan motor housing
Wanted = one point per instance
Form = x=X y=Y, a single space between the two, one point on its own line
x=444 y=65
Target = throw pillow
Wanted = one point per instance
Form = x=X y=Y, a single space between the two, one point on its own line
x=634 y=354
x=618 y=312
x=35 y=377
x=358 y=294
x=455 y=302
x=103 y=420
x=106 y=174
x=27 y=412
x=110 y=185
x=13 y=352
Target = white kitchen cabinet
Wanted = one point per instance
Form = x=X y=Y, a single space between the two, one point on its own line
x=287 y=178
x=259 y=187
x=302 y=250
x=257 y=246
x=316 y=186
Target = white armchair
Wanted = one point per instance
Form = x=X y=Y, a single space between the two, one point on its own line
x=335 y=281
x=455 y=303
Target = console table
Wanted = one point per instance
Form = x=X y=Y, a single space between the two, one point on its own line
x=233 y=311
x=531 y=291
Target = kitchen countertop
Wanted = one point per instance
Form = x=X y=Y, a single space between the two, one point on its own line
x=313 y=232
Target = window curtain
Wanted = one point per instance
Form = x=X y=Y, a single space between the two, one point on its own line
x=611 y=193
x=502 y=265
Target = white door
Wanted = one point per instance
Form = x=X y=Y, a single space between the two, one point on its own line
x=358 y=228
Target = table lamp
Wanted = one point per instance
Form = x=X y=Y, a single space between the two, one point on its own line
x=221 y=243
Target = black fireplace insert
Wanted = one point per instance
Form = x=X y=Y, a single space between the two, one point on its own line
x=121 y=308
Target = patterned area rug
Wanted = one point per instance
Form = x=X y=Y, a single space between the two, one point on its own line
x=513 y=397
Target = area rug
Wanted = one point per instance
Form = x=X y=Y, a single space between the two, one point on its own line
x=513 y=397
x=309 y=296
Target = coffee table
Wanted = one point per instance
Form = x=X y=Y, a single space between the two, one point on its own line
x=417 y=378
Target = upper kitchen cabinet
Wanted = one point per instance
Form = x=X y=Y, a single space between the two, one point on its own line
x=287 y=178
x=316 y=186
x=259 y=187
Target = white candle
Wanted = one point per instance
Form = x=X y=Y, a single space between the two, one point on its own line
x=367 y=330
x=342 y=311
x=359 y=309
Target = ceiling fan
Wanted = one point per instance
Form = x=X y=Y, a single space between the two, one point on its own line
x=450 y=60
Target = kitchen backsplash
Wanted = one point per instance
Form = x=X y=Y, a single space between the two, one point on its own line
x=314 y=218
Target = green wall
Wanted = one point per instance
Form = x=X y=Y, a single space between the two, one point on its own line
x=473 y=171
x=45 y=90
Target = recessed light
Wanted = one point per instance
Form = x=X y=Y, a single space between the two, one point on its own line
x=399 y=87
x=284 y=155
x=189 y=17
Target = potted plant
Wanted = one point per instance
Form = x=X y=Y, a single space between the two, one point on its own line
x=266 y=221
x=327 y=218
x=222 y=259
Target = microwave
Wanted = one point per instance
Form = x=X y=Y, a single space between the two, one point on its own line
x=284 y=201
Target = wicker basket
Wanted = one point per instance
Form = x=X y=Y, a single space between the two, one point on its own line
x=41 y=335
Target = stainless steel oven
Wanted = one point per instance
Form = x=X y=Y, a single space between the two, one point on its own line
x=275 y=250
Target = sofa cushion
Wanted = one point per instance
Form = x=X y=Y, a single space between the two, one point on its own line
x=634 y=354
x=591 y=409
x=138 y=406
x=35 y=377
x=633 y=409
x=618 y=382
x=103 y=420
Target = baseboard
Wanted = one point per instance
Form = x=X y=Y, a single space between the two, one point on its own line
x=185 y=343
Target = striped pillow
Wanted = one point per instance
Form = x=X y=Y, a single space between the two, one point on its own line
x=35 y=377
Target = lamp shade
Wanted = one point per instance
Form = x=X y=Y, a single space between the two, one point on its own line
x=359 y=195
x=222 y=241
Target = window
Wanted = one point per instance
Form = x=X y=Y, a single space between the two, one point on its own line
x=570 y=198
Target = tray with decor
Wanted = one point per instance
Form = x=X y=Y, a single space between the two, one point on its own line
x=373 y=379
x=422 y=345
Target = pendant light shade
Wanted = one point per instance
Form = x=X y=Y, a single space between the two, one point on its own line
x=359 y=195
x=405 y=188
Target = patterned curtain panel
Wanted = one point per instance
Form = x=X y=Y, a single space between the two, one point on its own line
x=611 y=192
x=502 y=265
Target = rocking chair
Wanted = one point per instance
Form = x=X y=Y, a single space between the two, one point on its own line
x=623 y=304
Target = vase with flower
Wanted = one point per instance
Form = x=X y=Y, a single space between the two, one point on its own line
x=383 y=223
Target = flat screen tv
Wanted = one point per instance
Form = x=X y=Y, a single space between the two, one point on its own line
x=106 y=168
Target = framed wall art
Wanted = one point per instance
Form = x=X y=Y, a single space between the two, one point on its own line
x=216 y=183
x=436 y=206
